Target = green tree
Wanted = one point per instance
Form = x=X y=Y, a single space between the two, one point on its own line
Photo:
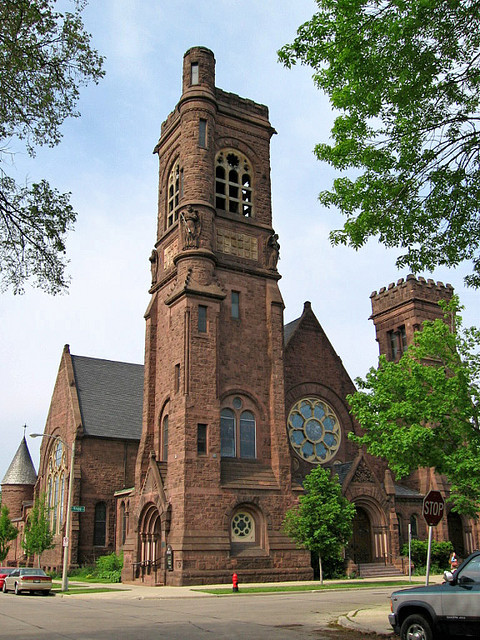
x=322 y=521
x=8 y=532
x=45 y=56
x=37 y=536
x=423 y=411
x=404 y=77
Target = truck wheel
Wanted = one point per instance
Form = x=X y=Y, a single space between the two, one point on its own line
x=416 y=627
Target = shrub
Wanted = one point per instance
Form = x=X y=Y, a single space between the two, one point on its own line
x=109 y=567
x=439 y=555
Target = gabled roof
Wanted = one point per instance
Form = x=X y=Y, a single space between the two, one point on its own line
x=110 y=395
x=21 y=469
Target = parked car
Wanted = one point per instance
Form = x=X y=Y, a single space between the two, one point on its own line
x=5 y=571
x=451 y=608
x=27 y=579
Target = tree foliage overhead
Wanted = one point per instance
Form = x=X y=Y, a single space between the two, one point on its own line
x=322 y=521
x=405 y=77
x=45 y=57
x=424 y=410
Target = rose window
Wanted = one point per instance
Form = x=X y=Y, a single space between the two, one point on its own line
x=314 y=430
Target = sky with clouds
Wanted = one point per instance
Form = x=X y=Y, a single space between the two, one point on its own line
x=105 y=160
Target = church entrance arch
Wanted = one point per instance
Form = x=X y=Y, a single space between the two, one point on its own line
x=150 y=542
x=370 y=539
x=362 y=537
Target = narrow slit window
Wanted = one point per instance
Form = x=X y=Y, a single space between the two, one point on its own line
x=194 y=73
x=202 y=133
x=177 y=378
x=202 y=319
x=202 y=439
x=235 y=304
x=165 y=439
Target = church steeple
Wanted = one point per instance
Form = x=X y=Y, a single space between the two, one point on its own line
x=21 y=469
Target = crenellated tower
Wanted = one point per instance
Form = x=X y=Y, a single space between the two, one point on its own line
x=400 y=309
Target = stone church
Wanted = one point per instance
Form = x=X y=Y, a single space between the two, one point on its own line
x=188 y=463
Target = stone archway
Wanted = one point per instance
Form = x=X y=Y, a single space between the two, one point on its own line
x=150 y=558
x=370 y=539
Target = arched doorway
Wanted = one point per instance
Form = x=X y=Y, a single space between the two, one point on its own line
x=361 y=546
x=149 y=561
x=455 y=533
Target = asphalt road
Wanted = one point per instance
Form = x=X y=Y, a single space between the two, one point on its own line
x=287 y=616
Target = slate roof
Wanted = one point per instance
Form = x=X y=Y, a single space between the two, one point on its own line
x=21 y=469
x=289 y=329
x=110 y=396
x=342 y=471
x=405 y=492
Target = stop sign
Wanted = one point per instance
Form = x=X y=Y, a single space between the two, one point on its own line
x=433 y=508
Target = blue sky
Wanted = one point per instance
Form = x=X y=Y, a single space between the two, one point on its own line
x=105 y=159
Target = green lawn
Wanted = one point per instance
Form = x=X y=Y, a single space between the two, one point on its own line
x=354 y=584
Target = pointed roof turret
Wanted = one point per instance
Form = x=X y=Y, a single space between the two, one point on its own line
x=21 y=469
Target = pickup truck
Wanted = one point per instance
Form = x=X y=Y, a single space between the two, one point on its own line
x=449 y=609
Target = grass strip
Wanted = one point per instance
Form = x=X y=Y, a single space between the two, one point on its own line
x=305 y=587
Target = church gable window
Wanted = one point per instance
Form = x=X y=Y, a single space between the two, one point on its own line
x=233 y=183
x=175 y=193
x=56 y=486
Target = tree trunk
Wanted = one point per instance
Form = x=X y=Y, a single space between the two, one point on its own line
x=320 y=568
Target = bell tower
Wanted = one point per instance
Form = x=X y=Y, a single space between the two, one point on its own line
x=213 y=475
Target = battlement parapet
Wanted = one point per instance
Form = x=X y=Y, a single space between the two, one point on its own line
x=409 y=288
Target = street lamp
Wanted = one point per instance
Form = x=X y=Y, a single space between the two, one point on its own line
x=66 y=540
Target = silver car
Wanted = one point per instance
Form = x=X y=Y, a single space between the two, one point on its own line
x=28 y=579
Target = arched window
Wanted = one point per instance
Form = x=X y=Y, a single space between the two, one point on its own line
x=414 y=526
x=175 y=193
x=100 y=524
x=227 y=434
x=247 y=531
x=165 y=439
x=56 y=486
x=233 y=183
x=237 y=431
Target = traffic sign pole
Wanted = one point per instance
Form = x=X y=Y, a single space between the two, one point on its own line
x=429 y=553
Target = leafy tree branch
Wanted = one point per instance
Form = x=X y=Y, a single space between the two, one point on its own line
x=45 y=57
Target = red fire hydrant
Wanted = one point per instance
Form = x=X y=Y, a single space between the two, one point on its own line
x=235 y=582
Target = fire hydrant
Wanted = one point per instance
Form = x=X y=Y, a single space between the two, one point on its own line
x=235 y=582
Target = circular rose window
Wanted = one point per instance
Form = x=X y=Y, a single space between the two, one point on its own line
x=314 y=430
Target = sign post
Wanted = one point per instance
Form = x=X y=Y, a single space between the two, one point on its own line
x=433 y=510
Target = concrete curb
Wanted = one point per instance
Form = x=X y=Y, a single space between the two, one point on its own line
x=367 y=621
